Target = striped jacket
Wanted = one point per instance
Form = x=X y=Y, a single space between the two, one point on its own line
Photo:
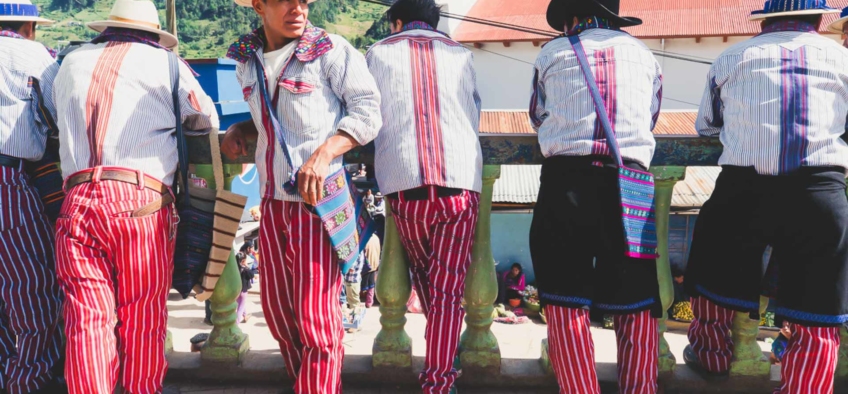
x=26 y=100
x=629 y=79
x=431 y=112
x=115 y=109
x=324 y=88
x=779 y=101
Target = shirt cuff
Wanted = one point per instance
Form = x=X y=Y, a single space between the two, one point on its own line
x=360 y=131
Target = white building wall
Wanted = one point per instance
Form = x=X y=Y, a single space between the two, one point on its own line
x=505 y=74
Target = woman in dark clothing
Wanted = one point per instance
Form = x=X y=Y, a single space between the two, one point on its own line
x=247 y=274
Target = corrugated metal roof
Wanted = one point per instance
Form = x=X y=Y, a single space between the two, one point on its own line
x=519 y=184
x=663 y=19
x=518 y=122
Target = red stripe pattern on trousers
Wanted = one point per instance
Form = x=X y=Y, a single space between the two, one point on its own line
x=810 y=360
x=301 y=283
x=572 y=351
x=709 y=334
x=30 y=299
x=438 y=235
x=109 y=262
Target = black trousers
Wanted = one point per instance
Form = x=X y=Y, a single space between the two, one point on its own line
x=577 y=241
x=803 y=216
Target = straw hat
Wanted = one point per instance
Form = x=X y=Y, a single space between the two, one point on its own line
x=776 y=8
x=138 y=15
x=21 y=11
x=249 y=3
x=836 y=26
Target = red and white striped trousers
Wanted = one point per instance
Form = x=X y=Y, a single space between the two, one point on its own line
x=30 y=299
x=808 y=364
x=572 y=351
x=438 y=235
x=116 y=271
x=301 y=283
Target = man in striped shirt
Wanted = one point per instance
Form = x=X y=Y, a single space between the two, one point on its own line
x=115 y=234
x=323 y=102
x=30 y=299
x=577 y=239
x=779 y=103
x=429 y=167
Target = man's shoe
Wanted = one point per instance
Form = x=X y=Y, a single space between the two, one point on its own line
x=207 y=322
x=694 y=363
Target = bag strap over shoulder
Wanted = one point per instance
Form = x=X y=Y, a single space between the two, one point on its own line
x=600 y=108
x=182 y=147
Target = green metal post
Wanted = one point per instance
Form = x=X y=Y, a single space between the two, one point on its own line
x=392 y=346
x=479 y=349
x=227 y=344
x=842 y=364
x=169 y=343
x=665 y=179
x=748 y=359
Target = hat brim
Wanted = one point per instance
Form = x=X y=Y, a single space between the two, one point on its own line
x=166 y=39
x=249 y=3
x=836 y=26
x=38 y=20
x=558 y=11
x=757 y=17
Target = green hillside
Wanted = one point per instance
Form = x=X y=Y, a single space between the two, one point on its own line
x=207 y=27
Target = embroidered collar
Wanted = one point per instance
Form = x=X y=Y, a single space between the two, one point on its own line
x=789 y=25
x=591 y=22
x=313 y=43
x=118 y=34
x=13 y=34
x=417 y=25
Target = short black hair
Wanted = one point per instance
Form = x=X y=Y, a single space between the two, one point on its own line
x=13 y=26
x=814 y=20
x=240 y=257
x=415 y=11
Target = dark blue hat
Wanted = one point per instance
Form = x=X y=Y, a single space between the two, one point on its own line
x=775 y=8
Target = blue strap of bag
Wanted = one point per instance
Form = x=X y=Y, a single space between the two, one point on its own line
x=262 y=80
x=182 y=147
x=600 y=108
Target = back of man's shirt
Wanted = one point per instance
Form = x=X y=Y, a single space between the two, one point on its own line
x=431 y=112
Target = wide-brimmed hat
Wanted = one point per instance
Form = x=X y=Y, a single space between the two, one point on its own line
x=138 y=15
x=249 y=3
x=776 y=8
x=560 y=10
x=836 y=26
x=21 y=11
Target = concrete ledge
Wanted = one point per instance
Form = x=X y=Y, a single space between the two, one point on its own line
x=267 y=367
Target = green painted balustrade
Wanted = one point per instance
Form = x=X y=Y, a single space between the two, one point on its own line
x=478 y=346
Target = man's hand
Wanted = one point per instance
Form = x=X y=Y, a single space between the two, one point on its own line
x=311 y=176
x=236 y=139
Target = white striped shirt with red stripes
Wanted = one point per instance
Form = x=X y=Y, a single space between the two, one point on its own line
x=431 y=112
x=316 y=98
x=23 y=127
x=630 y=82
x=115 y=109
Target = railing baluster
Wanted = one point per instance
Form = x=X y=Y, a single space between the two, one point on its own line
x=478 y=346
x=748 y=359
x=665 y=178
x=392 y=346
x=227 y=344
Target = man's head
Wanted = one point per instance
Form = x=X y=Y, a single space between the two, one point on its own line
x=407 y=11
x=25 y=29
x=814 y=20
x=283 y=19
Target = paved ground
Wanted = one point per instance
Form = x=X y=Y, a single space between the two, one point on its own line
x=516 y=342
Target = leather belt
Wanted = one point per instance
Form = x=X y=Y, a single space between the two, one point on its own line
x=154 y=206
x=119 y=175
x=423 y=193
x=9 y=161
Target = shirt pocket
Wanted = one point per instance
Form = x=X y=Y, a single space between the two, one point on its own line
x=300 y=102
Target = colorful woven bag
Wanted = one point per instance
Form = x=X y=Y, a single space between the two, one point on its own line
x=209 y=218
x=638 y=209
x=45 y=174
x=342 y=212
